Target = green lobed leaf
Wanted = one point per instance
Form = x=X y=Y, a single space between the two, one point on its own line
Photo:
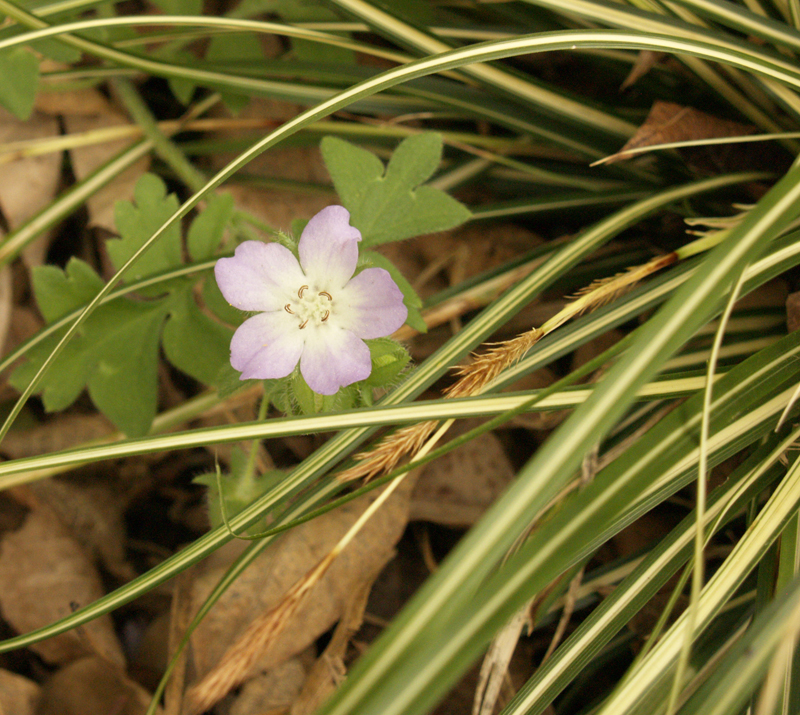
x=216 y=303
x=312 y=403
x=239 y=489
x=57 y=51
x=193 y=342
x=60 y=292
x=390 y=204
x=235 y=50
x=19 y=80
x=180 y=7
x=139 y=220
x=71 y=373
x=123 y=345
x=116 y=355
x=293 y=11
x=182 y=88
x=228 y=381
x=205 y=233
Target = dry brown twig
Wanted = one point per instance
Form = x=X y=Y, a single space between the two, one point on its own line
x=486 y=367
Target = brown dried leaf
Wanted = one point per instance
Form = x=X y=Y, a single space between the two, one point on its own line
x=94 y=513
x=793 y=311
x=76 y=101
x=6 y=305
x=18 y=695
x=494 y=668
x=264 y=584
x=456 y=489
x=179 y=619
x=329 y=670
x=272 y=691
x=275 y=207
x=58 y=433
x=28 y=185
x=90 y=686
x=278 y=208
x=472 y=249
x=668 y=122
x=44 y=572
x=86 y=159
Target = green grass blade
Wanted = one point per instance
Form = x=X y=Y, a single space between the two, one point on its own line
x=378 y=672
x=636 y=590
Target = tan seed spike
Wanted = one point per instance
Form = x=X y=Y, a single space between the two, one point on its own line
x=487 y=366
x=235 y=665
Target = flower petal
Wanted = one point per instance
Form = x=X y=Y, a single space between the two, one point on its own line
x=333 y=358
x=370 y=305
x=260 y=276
x=267 y=346
x=328 y=249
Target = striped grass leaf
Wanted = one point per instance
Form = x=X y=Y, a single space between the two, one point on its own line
x=404 y=672
x=657 y=567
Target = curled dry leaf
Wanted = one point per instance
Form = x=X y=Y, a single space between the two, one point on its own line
x=264 y=585
x=18 y=695
x=90 y=686
x=45 y=572
x=457 y=488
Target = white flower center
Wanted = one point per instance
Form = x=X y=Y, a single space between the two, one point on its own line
x=310 y=308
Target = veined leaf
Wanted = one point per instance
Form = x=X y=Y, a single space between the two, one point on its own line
x=389 y=203
x=19 y=80
x=116 y=354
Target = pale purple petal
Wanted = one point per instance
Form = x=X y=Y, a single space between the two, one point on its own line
x=370 y=305
x=267 y=346
x=260 y=276
x=333 y=358
x=328 y=249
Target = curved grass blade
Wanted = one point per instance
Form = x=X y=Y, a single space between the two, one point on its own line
x=336 y=449
x=375 y=684
x=641 y=585
x=741 y=671
x=439 y=653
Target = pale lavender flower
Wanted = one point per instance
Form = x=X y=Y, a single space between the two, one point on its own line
x=315 y=311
